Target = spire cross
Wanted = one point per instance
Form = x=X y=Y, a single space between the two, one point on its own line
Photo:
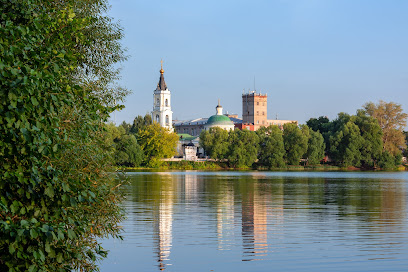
x=161 y=63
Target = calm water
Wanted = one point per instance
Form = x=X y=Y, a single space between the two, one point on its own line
x=263 y=221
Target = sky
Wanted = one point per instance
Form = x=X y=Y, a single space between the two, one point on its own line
x=311 y=57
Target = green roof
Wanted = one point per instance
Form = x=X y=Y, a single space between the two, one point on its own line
x=186 y=137
x=219 y=120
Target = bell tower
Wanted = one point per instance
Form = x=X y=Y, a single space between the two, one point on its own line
x=162 y=113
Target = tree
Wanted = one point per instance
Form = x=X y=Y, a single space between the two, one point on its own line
x=315 y=148
x=271 y=148
x=126 y=127
x=295 y=142
x=372 y=145
x=215 y=142
x=140 y=122
x=157 y=143
x=128 y=152
x=392 y=121
x=56 y=197
x=345 y=145
x=405 y=152
x=320 y=124
x=243 y=148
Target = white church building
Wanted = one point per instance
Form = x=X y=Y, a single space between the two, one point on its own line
x=162 y=113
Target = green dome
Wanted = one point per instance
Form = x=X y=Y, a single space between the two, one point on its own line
x=219 y=120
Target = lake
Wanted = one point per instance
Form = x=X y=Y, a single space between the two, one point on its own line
x=262 y=221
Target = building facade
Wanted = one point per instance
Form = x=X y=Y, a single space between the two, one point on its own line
x=255 y=113
x=162 y=113
x=219 y=120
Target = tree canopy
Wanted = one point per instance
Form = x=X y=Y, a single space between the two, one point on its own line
x=57 y=88
x=392 y=121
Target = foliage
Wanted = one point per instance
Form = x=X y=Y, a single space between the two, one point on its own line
x=243 y=148
x=405 y=151
x=140 y=122
x=126 y=151
x=345 y=145
x=157 y=143
x=315 y=147
x=372 y=145
x=55 y=93
x=295 y=142
x=215 y=142
x=271 y=149
x=320 y=124
x=392 y=122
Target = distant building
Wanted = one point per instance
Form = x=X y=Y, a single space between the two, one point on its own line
x=162 y=113
x=255 y=112
x=219 y=120
x=195 y=126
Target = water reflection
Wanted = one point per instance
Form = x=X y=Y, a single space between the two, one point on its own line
x=264 y=216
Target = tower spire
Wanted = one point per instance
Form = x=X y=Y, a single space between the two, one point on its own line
x=162 y=84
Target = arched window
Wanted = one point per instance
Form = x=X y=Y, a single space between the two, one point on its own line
x=167 y=120
x=166 y=102
x=157 y=118
x=158 y=102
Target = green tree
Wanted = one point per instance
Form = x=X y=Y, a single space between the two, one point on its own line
x=315 y=148
x=128 y=152
x=405 y=152
x=320 y=124
x=124 y=147
x=345 y=145
x=157 y=143
x=271 y=148
x=372 y=145
x=392 y=121
x=215 y=143
x=55 y=91
x=140 y=122
x=243 y=148
x=126 y=127
x=295 y=142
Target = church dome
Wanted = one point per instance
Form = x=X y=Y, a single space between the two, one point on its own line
x=217 y=120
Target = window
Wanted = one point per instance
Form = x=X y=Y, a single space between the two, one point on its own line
x=263 y=113
x=158 y=102
x=157 y=118
x=257 y=103
x=257 y=113
x=257 y=122
x=166 y=102
x=167 y=120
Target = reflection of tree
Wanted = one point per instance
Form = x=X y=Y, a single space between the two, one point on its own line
x=374 y=206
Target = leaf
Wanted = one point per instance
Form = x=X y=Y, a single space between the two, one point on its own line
x=34 y=101
x=71 y=234
x=33 y=233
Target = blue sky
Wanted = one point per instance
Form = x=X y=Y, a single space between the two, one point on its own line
x=312 y=57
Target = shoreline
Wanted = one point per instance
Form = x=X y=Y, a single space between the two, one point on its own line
x=217 y=166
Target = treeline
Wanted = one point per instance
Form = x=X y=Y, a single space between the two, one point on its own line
x=372 y=138
x=142 y=143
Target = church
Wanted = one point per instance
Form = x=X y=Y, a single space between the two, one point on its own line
x=254 y=114
x=162 y=113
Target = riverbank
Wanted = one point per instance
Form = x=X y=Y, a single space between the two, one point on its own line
x=212 y=165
